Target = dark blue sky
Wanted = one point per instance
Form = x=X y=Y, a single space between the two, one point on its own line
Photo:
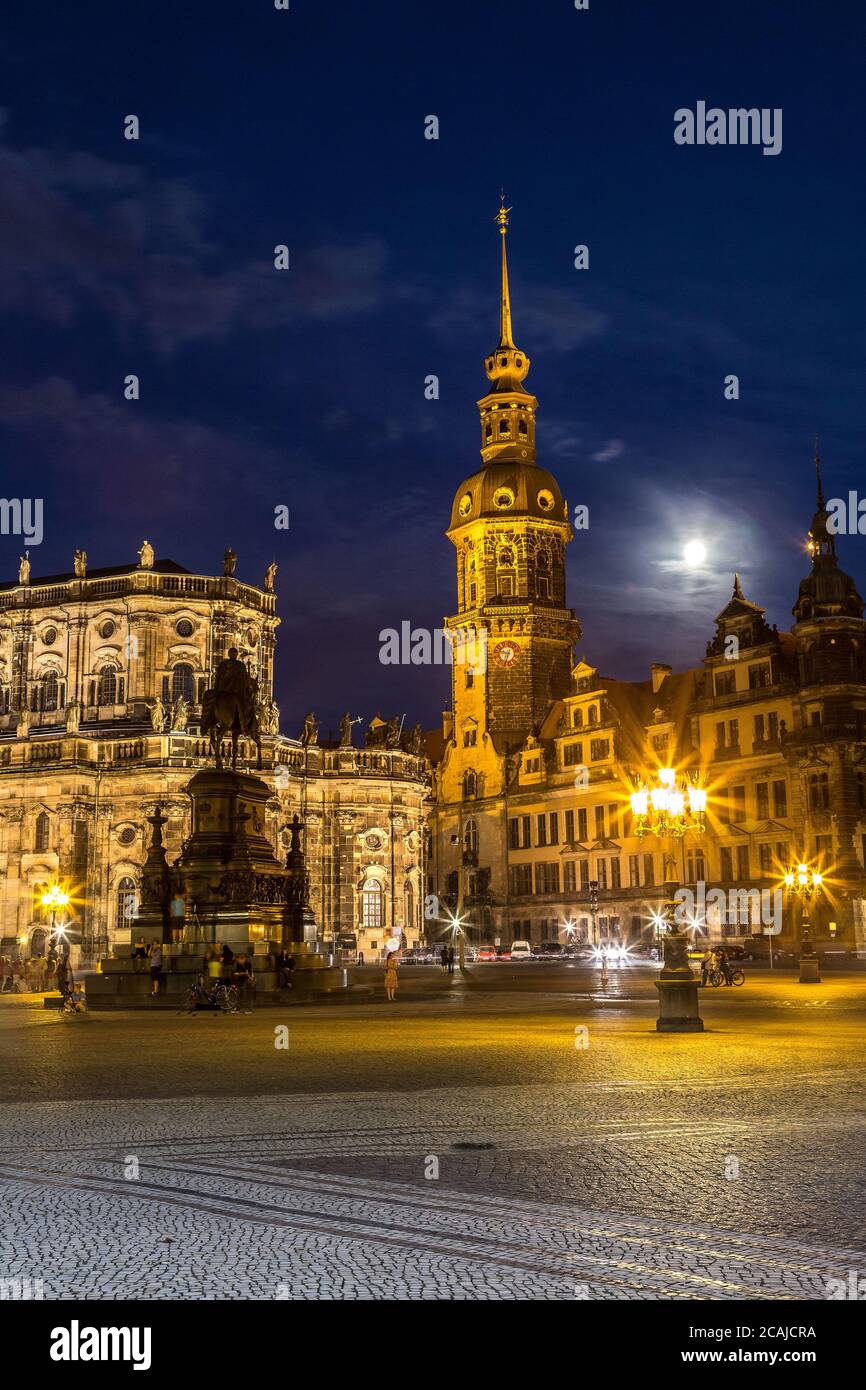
x=306 y=388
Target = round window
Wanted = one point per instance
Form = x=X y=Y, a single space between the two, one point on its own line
x=183 y=627
x=107 y=629
x=127 y=835
x=465 y=504
x=373 y=842
x=503 y=498
x=546 y=500
x=49 y=636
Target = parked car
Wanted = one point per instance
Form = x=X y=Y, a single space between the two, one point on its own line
x=487 y=953
x=521 y=950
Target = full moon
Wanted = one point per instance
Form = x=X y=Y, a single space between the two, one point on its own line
x=695 y=553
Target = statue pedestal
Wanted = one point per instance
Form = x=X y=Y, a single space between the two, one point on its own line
x=236 y=893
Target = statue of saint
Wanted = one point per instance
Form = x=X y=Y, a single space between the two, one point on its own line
x=392 y=738
x=157 y=716
x=346 y=730
x=274 y=718
x=311 y=730
x=73 y=716
x=229 y=561
x=24 y=568
x=180 y=715
x=145 y=556
x=416 y=740
x=270 y=575
x=79 y=562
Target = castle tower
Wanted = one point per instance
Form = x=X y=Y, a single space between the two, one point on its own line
x=509 y=527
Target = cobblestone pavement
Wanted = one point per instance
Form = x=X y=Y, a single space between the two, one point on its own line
x=725 y=1166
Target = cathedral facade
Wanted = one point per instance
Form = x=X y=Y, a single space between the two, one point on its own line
x=102 y=674
x=532 y=831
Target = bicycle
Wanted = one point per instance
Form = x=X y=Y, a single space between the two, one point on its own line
x=716 y=977
x=221 y=998
x=69 y=1004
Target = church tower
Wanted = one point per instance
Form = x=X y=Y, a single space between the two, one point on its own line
x=509 y=527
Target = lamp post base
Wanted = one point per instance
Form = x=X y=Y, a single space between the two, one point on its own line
x=678 y=1007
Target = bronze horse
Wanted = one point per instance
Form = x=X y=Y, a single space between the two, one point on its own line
x=223 y=713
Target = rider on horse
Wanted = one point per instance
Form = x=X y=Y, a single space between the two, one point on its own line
x=231 y=707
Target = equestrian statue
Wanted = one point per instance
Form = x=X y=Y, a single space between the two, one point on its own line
x=231 y=708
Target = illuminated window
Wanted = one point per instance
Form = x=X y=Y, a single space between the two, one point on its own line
x=371 y=906
x=43 y=830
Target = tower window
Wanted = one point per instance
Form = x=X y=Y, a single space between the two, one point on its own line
x=522 y=426
x=488 y=430
x=504 y=427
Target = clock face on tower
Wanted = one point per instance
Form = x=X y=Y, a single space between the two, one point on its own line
x=506 y=653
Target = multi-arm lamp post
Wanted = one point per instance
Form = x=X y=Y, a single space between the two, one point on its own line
x=55 y=899
x=803 y=882
x=669 y=811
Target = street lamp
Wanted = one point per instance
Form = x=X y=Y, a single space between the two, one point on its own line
x=669 y=810
x=803 y=882
x=55 y=899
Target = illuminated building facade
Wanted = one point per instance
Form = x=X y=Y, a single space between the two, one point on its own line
x=532 y=826
x=101 y=678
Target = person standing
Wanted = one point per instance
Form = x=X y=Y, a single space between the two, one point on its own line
x=444 y=957
x=63 y=974
x=227 y=961
x=391 y=976
x=40 y=974
x=707 y=961
x=155 y=968
x=244 y=980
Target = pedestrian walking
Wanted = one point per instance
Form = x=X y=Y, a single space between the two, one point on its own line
x=41 y=967
x=391 y=982
x=155 y=968
x=50 y=973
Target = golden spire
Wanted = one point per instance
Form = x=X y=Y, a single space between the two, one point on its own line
x=505 y=338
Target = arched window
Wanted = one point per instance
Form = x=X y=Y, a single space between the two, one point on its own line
x=470 y=783
x=470 y=836
x=372 y=915
x=43 y=832
x=50 y=698
x=183 y=682
x=577 y=719
x=107 y=690
x=127 y=903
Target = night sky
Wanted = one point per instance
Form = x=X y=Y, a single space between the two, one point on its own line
x=306 y=388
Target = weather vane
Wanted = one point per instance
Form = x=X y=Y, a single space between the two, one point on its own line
x=502 y=214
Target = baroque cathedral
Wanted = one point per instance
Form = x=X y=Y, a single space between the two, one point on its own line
x=532 y=832
x=102 y=674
